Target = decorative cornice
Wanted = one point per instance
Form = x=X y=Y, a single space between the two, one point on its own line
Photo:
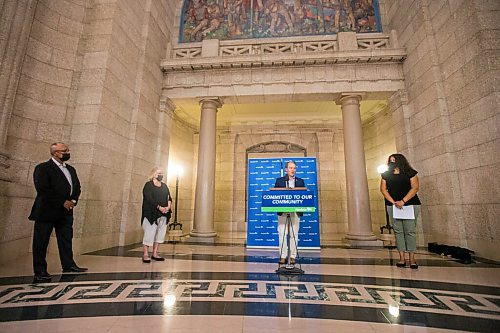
x=283 y=52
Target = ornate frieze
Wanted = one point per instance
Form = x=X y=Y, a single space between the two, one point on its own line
x=279 y=52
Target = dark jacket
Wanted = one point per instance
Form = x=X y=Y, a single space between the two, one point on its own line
x=52 y=190
x=150 y=202
x=281 y=183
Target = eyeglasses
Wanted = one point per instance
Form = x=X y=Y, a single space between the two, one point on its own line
x=61 y=151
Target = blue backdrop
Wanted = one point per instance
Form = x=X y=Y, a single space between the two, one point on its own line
x=262 y=228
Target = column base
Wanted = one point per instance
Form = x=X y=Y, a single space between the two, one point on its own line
x=207 y=240
x=357 y=243
x=362 y=241
x=202 y=234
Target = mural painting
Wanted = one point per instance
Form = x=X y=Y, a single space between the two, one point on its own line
x=239 y=19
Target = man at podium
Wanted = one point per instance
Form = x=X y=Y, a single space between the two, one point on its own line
x=289 y=181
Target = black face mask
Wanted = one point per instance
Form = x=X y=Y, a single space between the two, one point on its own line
x=391 y=166
x=159 y=178
x=65 y=157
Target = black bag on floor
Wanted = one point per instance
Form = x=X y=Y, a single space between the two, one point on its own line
x=462 y=254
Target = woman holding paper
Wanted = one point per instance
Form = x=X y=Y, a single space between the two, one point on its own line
x=399 y=185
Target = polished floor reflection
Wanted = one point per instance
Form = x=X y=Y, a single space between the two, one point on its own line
x=225 y=287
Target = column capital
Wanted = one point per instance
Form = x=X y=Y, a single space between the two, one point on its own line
x=398 y=99
x=217 y=102
x=349 y=98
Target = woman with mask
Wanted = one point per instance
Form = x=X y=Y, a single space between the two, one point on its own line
x=399 y=185
x=156 y=206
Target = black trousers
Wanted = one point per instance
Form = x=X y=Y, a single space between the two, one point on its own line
x=41 y=238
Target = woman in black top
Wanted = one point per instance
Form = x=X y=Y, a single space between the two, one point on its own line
x=156 y=210
x=399 y=185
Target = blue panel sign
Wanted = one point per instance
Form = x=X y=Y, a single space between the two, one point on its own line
x=262 y=230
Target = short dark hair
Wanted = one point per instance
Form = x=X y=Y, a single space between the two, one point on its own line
x=291 y=161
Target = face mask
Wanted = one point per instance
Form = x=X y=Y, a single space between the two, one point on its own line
x=65 y=157
x=159 y=178
x=391 y=166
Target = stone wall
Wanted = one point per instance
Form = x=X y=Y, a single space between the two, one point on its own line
x=91 y=77
x=449 y=127
x=42 y=110
x=183 y=152
x=379 y=141
x=118 y=102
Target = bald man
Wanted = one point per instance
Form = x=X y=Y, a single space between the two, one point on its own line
x=58 y=189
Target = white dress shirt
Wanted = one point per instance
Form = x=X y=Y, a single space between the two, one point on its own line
x=65 y=171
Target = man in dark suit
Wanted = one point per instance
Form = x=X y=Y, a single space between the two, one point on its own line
x=58 y=189
x=289 y=181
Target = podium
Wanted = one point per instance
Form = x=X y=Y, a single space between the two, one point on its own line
x=289 y=201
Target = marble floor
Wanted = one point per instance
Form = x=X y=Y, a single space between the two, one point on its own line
x=225 y=287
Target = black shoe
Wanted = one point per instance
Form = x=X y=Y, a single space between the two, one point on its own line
x=400 y=264
x=158 y=258
x=75 y=269
x=42 y=277
x=414 y=266
x=146 y=261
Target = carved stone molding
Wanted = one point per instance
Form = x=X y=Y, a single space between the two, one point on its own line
x=254 y=53
x=276 y=147
x=167 y=106
x=398 y=99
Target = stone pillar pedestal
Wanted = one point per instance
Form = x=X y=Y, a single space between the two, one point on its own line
x=203 y=224
x=358 y=203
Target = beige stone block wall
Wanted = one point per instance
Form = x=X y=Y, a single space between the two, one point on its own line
x=91 y=78
x=183 y=152
x=451 y=133
x=379 y=141
x=42 y=113
x=331 y=184
x=224 y=182
x=131 y=133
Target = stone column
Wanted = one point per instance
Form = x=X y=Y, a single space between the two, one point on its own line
x=203 y=225
x=358 y=203
x=16 y=17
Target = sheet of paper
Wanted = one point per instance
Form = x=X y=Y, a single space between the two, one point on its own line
x=407 y=213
